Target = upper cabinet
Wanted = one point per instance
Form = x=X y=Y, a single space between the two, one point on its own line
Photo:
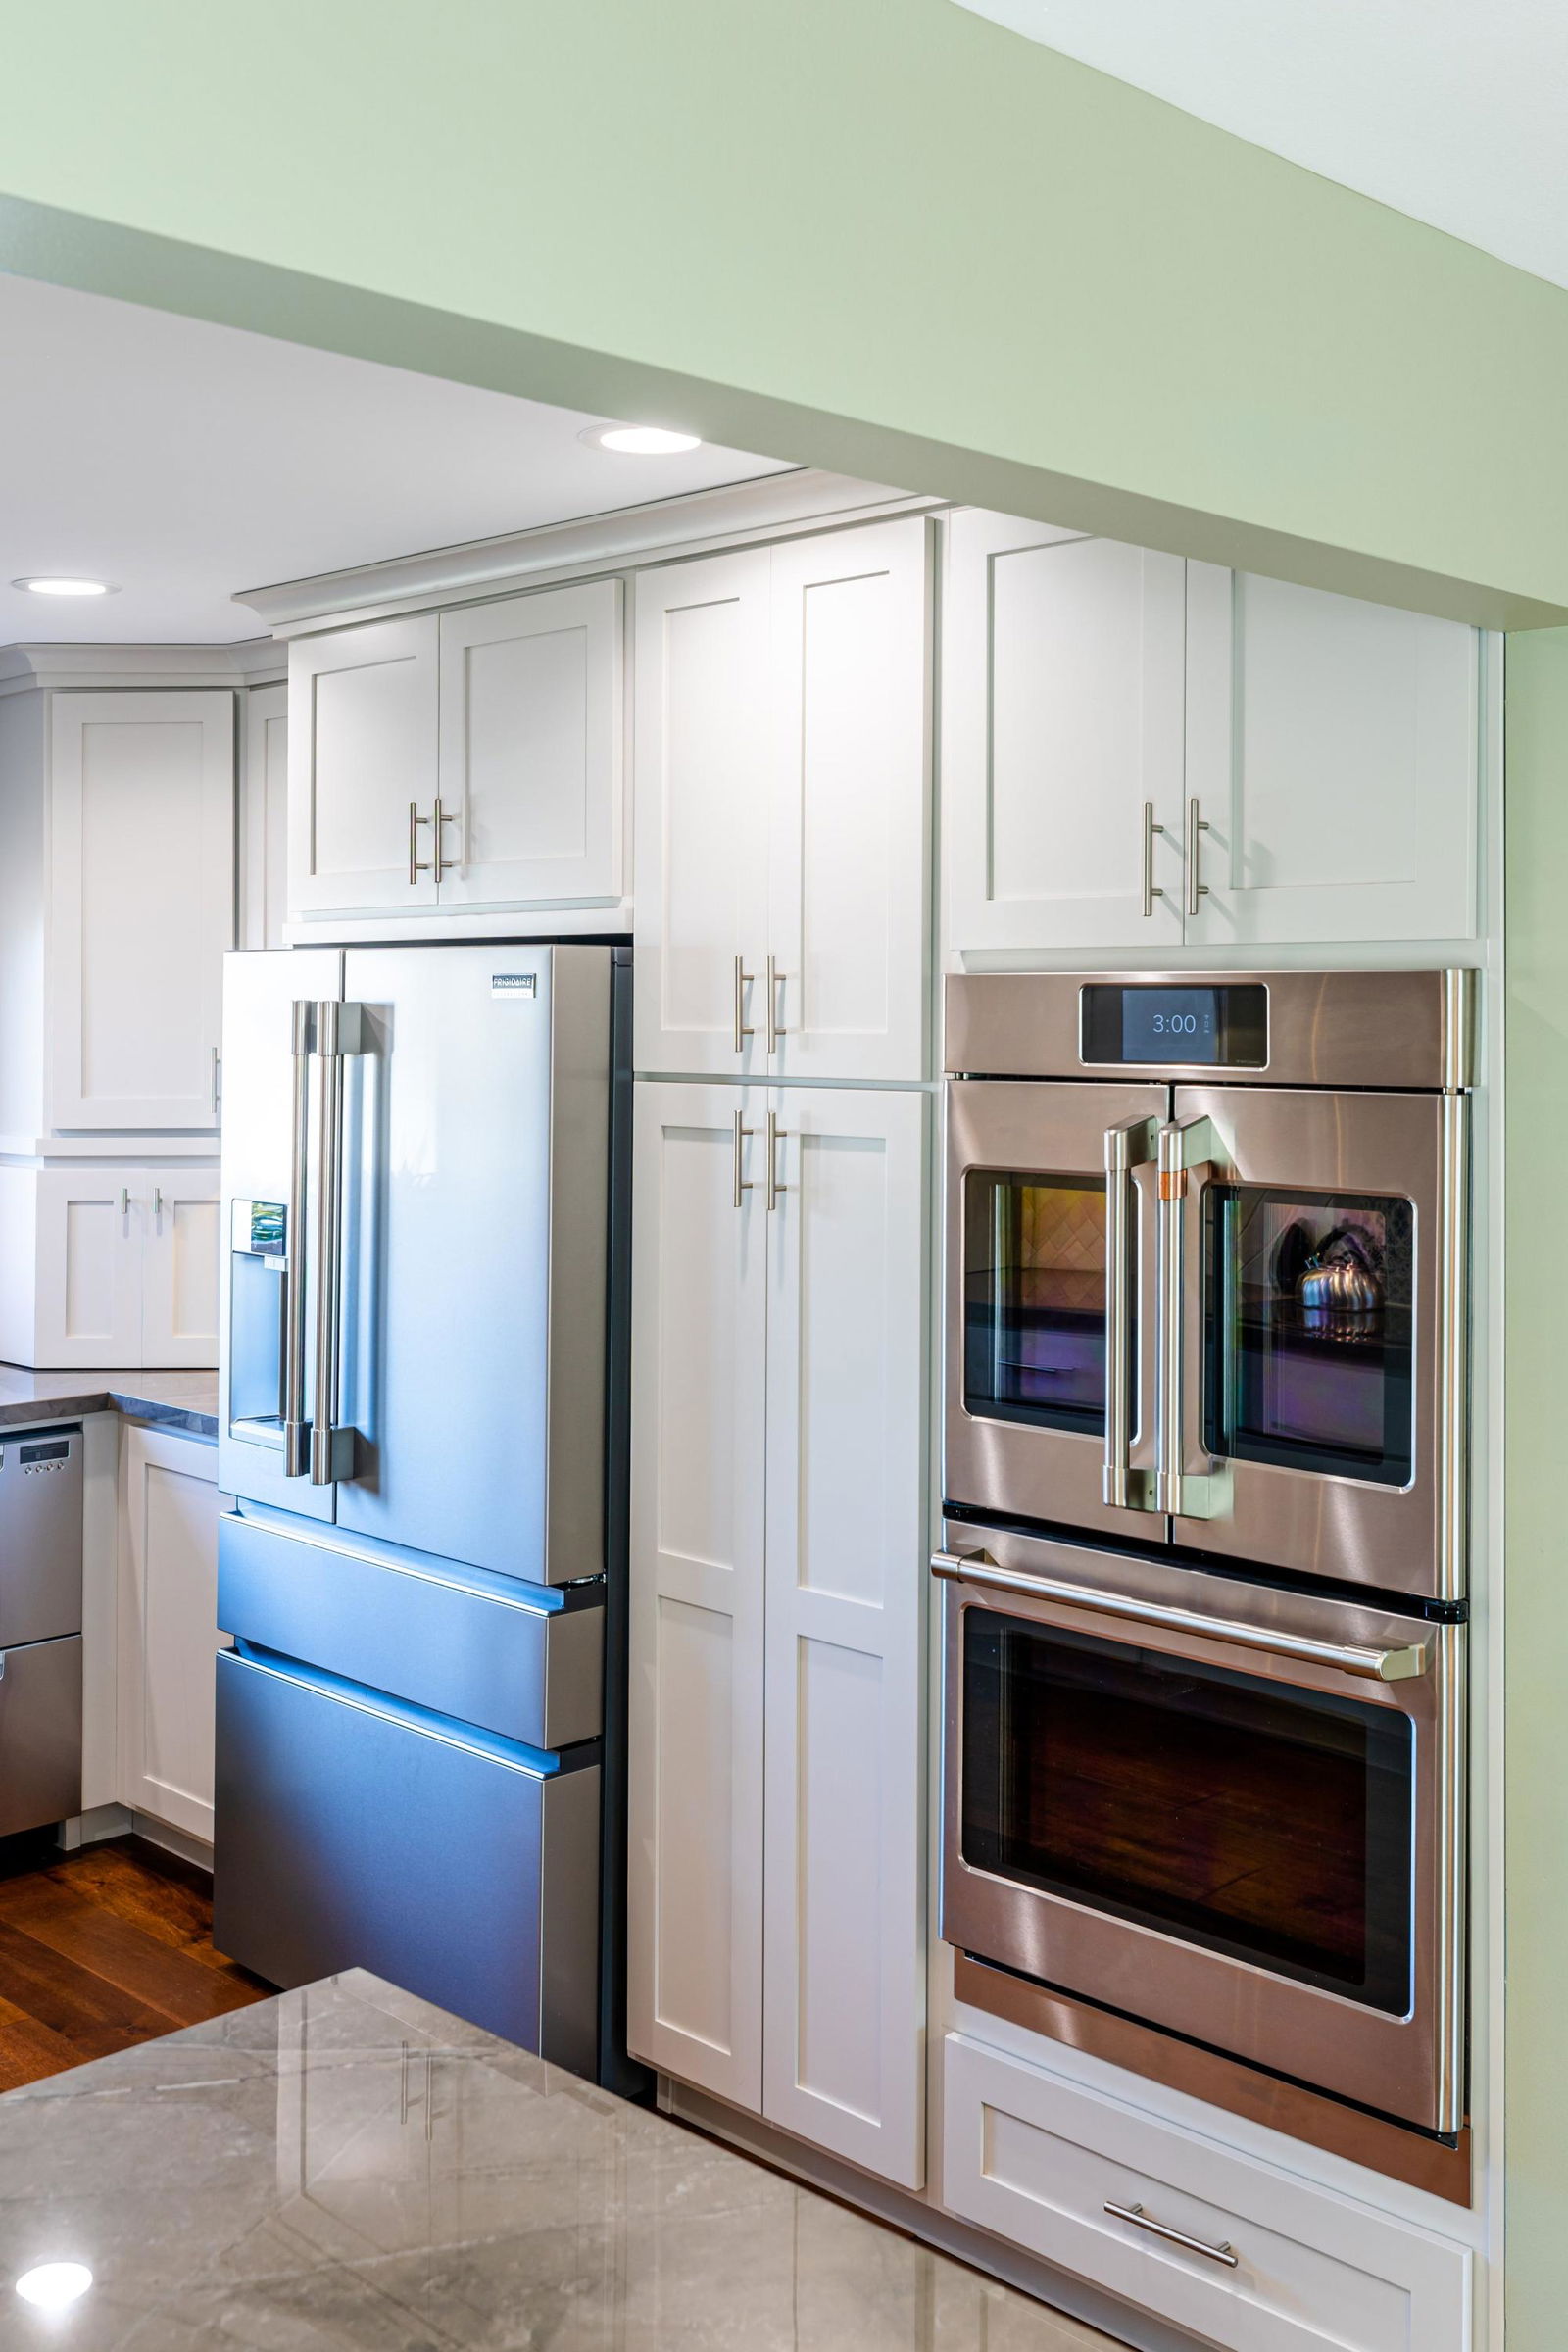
x=141 y=903
x=1148 y=754
x=782 y=805
x=466 y=758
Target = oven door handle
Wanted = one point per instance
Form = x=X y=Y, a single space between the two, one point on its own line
x=1184 y=1144
x=1131 y=1145
x=1371 y=1665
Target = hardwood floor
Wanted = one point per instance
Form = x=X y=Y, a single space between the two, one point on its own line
x=101 y=1949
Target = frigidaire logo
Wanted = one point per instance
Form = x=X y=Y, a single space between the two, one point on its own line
x=514 y=984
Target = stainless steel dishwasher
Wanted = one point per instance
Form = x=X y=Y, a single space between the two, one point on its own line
x=40 y=1628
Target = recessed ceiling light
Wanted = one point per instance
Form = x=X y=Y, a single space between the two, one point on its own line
x=51 y=584
x=54 y=2284
x=640 y=440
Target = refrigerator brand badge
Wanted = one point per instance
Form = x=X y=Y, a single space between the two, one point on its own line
x=514 y=984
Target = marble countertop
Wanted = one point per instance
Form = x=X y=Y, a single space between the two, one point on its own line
x=345 y=2169
x=182 y=1399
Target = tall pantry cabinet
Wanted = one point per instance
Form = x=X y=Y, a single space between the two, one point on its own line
x=780 y=1191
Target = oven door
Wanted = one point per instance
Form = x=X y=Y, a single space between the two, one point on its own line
x=1221 y=1809
x=1311 y=1341
x=1051 y=1300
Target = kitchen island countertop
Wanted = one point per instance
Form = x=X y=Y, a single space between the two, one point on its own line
x=179 y=1399
x=346 y=2169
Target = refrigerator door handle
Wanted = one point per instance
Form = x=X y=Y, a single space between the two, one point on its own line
x=338 y=1031
x=296 y=1429
x=1132 y=1145
x=1184 y=1144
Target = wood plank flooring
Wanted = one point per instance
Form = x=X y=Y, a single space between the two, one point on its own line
x=101 y=1949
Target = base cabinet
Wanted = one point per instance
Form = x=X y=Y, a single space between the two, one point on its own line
x=775 y=1882
x=168 y=1613
x=1236 y=2253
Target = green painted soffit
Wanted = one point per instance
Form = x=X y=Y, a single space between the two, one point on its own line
x=884 y=236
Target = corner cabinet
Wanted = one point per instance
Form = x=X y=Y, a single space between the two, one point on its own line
x=776 y=1910
x=1146 y=753
x=782 y=764
x=168 y=1618
x=469 y=759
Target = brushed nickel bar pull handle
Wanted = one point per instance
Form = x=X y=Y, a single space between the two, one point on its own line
x=295 y=1433
x=775 y=1027
x=158 y=1203
x=217 y=1081
x=1141 y=2220
x=1196 y=824
x=124 y=1200
x=775 y=1136
x=442 y=816
x=417 y=865
x=1152 y=890
x=1370 y=1665
x=742 y=1184
x=1129 y=1146
x=743 y=978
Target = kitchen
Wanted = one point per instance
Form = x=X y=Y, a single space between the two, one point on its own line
x=1003 y=1212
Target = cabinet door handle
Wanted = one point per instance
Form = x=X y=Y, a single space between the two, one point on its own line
x=775 y=1027
x=217 y=1081
x=417 y=865
x=124 y=1200
x=775 y=1136
x=1141 y=2220
x=1152 y=890
x=1196 y=824
x=158 y=1203
x=442 y=816
x=743 y=978
x=742 y=1184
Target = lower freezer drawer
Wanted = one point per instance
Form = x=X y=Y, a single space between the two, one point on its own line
x=347 y=1835
x=40 y=1733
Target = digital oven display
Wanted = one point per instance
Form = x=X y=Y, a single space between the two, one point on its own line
x=1217 y=1028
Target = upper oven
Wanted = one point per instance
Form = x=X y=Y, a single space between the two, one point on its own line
x=1207 y=1259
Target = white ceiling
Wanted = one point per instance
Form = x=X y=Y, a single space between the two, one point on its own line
x=1453 y=111
x=183 y=462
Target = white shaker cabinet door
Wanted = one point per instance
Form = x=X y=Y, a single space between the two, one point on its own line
x=844 y=1963
x=698 y=1339
x=264 y=825
x=1333 y=759
x=89 y=1227
x=179 y=1217
x=1062 y=684
x=169 y=1630
x=531 y=748
x=848 y=863
x=141 y=905
x=362 y=768
x=702 y=748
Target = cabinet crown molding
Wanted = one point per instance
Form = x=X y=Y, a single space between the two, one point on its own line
x=699 y=521
x=255 y=661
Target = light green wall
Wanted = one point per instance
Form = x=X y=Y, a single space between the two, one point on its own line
x=879 y=234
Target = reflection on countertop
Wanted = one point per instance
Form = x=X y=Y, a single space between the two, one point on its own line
x=178 y=1399
x=346 y=2169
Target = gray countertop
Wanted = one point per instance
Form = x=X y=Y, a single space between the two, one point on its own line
x=345 y=2169
x=183 y=1399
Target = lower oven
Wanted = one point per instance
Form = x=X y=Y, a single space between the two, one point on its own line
x=1228 y=1810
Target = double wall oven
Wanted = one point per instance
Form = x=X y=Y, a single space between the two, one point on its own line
x=1204 y=1456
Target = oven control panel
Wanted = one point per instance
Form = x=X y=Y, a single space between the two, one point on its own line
x=1222 y=1026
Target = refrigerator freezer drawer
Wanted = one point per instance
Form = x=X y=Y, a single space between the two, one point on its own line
x=40 y=1733
x=348 y=1836
x=465 y=1642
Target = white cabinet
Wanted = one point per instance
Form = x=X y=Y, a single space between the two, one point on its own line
x=361 y=763
x=140 y=907
x=1146 y=753
x=108 y=1266
x=168 y=1508
x=781 y=751
x=263 y=814
x=776 y=1938
x=530 y=764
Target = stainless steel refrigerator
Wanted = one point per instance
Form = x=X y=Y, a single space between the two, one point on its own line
x=422 y=1423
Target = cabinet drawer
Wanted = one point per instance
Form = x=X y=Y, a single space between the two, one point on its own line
x=1037 y=2161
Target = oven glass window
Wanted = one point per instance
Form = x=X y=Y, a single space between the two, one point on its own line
x=1247 y=1816
x=1035 y=1298
x=1310 y=1330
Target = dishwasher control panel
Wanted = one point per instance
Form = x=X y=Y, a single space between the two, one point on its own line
x=40 y=1535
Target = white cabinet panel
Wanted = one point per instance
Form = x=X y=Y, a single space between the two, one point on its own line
x=141 y=905
x=701 y=752
x=844 y=1967
x=530 y=774
x=179 y=1267
x=1064 y=699
x=1038 y=2162
x=264 y=831
x=848 y=893
x=1333 y=752
x=362 y=753
x=168 y=1627
x=89 y=1266
x=699 y=1335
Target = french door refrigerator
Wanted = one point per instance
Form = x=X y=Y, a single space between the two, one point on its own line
x=421 y=1424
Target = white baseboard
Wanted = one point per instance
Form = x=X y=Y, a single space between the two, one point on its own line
x=118 y=1821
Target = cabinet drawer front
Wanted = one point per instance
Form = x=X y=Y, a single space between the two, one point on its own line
x=1038 y=2161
